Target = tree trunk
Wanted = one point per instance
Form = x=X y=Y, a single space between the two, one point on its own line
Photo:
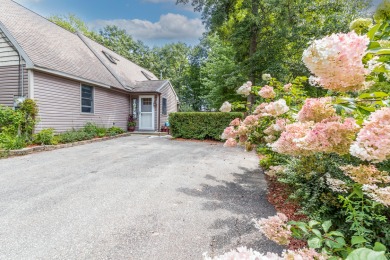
x=252 y=51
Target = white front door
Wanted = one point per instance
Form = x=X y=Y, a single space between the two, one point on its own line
x=146 y=113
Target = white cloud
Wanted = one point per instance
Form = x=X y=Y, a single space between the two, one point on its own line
x=169 y=27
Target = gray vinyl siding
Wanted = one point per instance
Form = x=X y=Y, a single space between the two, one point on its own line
x=59 y=102
x=8 y=55
x=167 y=92
x=9 y=84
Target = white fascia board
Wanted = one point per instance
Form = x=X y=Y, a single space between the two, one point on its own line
x=19 y=49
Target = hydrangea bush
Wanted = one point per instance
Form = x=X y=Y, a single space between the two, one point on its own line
x=333 y=150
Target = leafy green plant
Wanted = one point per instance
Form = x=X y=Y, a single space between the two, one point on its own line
x=114 y=131
x=319 y=236
x=45 y=137
x=11 y=142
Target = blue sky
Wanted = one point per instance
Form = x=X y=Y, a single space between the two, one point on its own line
x=153 y=21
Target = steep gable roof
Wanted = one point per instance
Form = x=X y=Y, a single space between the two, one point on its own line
x=50 y=47
x=125 y=71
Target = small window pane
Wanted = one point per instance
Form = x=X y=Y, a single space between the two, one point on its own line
x=164 y=106
x=146 y=105
x=86 y=99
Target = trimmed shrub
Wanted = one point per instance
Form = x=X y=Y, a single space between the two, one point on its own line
x=200 y=125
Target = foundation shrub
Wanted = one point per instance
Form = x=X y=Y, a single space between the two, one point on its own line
x=200 y=125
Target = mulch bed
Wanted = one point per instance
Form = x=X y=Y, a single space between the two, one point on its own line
x=210 y=141
x=278 y=194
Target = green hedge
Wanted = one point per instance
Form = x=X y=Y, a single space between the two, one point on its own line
x=200 y=125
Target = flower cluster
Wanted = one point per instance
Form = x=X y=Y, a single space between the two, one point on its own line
x=287 y=87
x=373 y=140
x=331 y=135
x=336 y=60
x=245 y=89
x=380 y=195
x=229 y=132
x=274 y=130
x=316 y=109
x=286 y=144
x=275 y=228
x=267 y=92
x=274 y=109
x=275 y=170
x=243 y=253
x=336 y=185
x=366 y=174
x=226 y=107
x=266 y=77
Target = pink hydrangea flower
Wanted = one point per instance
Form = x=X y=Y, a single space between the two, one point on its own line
x=286 y=143
x=275 y=228
x=235 y=122
x=316 y=109
x=231 y=142
x=329 y=136
x=243 y=253
x=336 y=60
x=373 y=140
x=366 y=174
x=251 y=120
x=267 y=92
x=229 y=132
x=287 y=87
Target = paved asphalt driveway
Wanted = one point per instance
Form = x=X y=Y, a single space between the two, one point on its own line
x=136 y=197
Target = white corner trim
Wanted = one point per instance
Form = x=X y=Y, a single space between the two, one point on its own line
x=29 y=63
x=31 y=84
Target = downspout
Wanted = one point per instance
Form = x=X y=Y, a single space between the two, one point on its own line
x=22 y=81
x=159 y=113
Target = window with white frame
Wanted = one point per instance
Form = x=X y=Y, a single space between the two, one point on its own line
x=87 y=99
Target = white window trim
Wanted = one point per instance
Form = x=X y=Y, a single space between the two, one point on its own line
x=81 y=99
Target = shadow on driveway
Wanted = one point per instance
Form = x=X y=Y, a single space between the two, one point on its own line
x=245 y=197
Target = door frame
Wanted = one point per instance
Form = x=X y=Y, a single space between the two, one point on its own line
x=140 y=115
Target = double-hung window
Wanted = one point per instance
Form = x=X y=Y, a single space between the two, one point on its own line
x=87 y=99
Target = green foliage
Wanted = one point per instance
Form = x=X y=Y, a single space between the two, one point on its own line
x=45 y=137
x=365 y=217
x=11 y=142
x=114 y=131
x=322 y=237
x=220 y=74
x=16 y=127
x=200 y=125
